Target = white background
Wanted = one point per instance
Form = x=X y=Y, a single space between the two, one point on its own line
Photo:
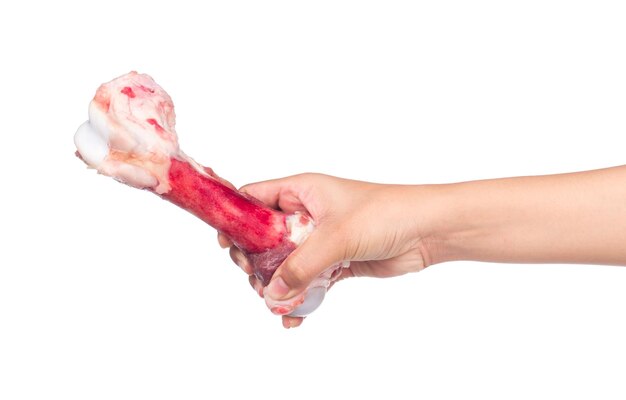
x=107 y=292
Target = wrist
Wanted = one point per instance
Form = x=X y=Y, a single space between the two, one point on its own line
x=448 y=221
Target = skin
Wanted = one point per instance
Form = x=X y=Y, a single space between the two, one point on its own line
x=391 y=230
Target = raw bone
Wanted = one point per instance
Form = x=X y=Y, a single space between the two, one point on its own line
x=130 y=136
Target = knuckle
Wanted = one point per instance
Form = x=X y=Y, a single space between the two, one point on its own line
x=296 y=274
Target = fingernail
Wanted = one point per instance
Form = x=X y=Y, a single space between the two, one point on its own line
x=280 y=310
x=277 y=289
x=239 y=260
x=254 y=283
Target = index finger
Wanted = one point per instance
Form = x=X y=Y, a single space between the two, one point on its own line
x=282 y=194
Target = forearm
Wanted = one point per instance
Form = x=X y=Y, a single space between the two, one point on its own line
x=568 y=218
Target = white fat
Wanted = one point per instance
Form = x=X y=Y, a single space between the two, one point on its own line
x=98 y=120
x=199 y=168
x=92 y=147
x=313 y=296
x=131 y=175
x=313 y=299
x=298 y=231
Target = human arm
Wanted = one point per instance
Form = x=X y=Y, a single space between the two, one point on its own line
x=389 y=230
x=566 y=218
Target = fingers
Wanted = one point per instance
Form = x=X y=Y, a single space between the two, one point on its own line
x=240 y=259
x=235 y=254
x=292 y=322
x=256 y=285
x=219 y=178
x=266 y=191
x=223 y=240
x=283 y=193
x=308 y=261
x=242 y=262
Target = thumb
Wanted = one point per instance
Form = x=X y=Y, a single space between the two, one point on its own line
x=318 y=252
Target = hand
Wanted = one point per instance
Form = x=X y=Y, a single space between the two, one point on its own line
x=370 y=225
x=389 y=230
